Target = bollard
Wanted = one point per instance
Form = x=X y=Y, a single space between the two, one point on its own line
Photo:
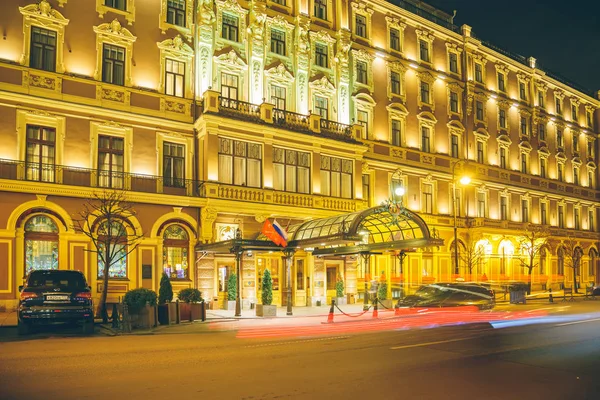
x=115 y=317
x=375 y=313
x=203 y=311
x=330 y=316
x=550 y=298
x=177 y=312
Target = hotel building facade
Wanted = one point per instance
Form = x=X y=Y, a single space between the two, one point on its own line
x=214 y=115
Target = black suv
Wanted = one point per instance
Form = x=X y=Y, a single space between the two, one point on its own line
x=52 y=296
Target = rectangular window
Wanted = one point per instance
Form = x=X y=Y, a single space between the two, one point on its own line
x=111 y=157
x=454 y=146
x=40 y=153
x=428 y=198
x=577 y=219
x=502 y=118
x=424 y=50
x=480 y=152
x=395 y=39
x=479 y=110
x=561 y=172
x=43 y=49
x=299 y=274
x=481 y=204
x=360 y=26
x=362 y=117
x=291 y=170
x=176 y=12
x=396 y=132
x=113 y=64
x=522 y=91
x=395 y=83
x=278 y=97
x=425 y=93
x=503 y=208
x=320 y=9
x=173 y=165
x=591 y=179
x=454 y=102
x=558 y=106
x=591 y=225
x=425 y=139
x=590 y=149
x=321 y=107
x=542 y=131
x=229 y=87
x=453 y=62
x=541 y=101
x=501 y=83
x=174 y=78
x=361 y=72
x=575 y=176
x=560 y=138
x=543 y=164
x=502 y=157
x=574 y=113
x=366 y=188
x=523 y=126
x=278 y=42
x=478 y=73
x=590 y=121
x=544 y=213
x=118 y=4
x=240 y=163
x=524 y=210
x=561 y=216
x=321 y=55
x=524 y=167
x=229 y=28
x=575 y=144
x=336 y=177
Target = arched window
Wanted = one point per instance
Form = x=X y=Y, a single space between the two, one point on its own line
x=41 y=244
x=561 y=261
x=113 y=237
x=506 y=250
x=175 y=252
x=543 y=259
x=593 y=262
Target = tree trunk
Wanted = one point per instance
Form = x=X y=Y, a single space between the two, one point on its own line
x=575 y=280
x=529 y=281
x=102 y=306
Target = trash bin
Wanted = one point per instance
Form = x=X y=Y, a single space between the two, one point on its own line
x=318 y=303
x=351 y=298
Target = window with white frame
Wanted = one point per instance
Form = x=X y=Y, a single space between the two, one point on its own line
x=561 y=216
x=425 y=42
x=396 y=134
x=240 y=163
x=426 y=139
x=362 y=118
x=175 y=57
x=40 y=154
x=395 y=39
x=111 y=162
x=577 y=218
x=502 y=118
x=278 y=42
x=481 y=204
x=543 y=166
x=173 y=165
x=229 y=86
x=542 y=131
x=454 y=104
x=524 y=210
x=174 y=78
x=230 y=27
x=480 y=151
x=336 y=177
x=176 y=12
x=361 y=18
x=454 y=145
x=504 y=207
x=560 y=170
x=478 y=72
x=427 y=200
x=291 y=170
x=395 y=29
x=43 y=49
x=321 y=55
x=544 y=212
x=277 y=96
x=321 y=106
x=576 y=174
x=361 y=72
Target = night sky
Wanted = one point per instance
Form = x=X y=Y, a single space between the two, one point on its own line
x=563 y=35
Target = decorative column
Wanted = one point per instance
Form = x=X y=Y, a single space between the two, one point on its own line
x=343 y=72
x=204 y=50
x=302 y=63
x=208 y=215
x=239 y=253
x=256 y=50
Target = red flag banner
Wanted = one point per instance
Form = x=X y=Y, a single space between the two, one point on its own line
x=269 y=231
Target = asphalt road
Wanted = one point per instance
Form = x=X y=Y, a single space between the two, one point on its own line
x=559 y=359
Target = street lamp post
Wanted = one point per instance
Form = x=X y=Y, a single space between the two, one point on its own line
x=465 y=180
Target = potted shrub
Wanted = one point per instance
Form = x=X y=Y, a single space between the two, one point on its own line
x=231 y=292
x=140 y=304
x=166 y=311
x=190 y=306
x=266 y=309
x=382 y=292
x=518 y=290
x=339 y=291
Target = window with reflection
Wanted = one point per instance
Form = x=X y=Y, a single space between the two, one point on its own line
x=291 y=170
x=114 y=238
x=41 y=244
x=176 y=252
x=40 y=154
x=336 y=177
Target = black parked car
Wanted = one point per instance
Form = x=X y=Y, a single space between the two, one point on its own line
x=451 y=295
x=52 y=296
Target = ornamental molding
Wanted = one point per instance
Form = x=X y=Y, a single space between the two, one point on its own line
x=231 y=5
x=455 y=87
x=231 y=58
x=362 y=55
x=176 y=46
x=479 y=58
x=321 y=83
x=559 y=94
x=524 y=113
x=450 y=46
x=322 y=36
x=502 y=68
x=396 y=66
x=395 y=22
x=207 y=13
x=115 y=31
x=43 y=13
x=523 y=78
x=426 y=35
x=426 y=77
x=279 y=21
x=280 y=72
x=362 y=7
x=541 y=86
x=256 y=27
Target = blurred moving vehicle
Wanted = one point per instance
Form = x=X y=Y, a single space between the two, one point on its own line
x=451 y=295
x=55 y=296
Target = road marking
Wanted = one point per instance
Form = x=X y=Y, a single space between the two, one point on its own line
x=429 y=343
x=298 y=341
x=579 y=322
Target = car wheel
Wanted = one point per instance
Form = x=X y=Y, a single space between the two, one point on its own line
x=88 y=326
x=23 y=328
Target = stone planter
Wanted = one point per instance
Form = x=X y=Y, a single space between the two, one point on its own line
x=230 y=305
x=341 y=301
x=190 y=311
x=167 y=314
x=266 y=311
x=144 y=318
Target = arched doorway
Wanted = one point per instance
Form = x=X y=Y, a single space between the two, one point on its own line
x=41 y=243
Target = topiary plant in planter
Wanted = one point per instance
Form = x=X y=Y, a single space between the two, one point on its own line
x=165 y=292
x=191 y=307
x=339 y=291
x=140 y=303
x=231 y=292
x=382 y=290
x=266 y=309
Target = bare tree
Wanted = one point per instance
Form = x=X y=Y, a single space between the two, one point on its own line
x=573 y=255
x=104 y=220
x=532 y=243
x=474 y=253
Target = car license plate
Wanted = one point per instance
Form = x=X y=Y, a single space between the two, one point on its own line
x=57 y=297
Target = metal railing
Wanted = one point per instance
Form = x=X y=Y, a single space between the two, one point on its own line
x=239 y=109
x=85 y=177
x=291 y=120
x=336 y=128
